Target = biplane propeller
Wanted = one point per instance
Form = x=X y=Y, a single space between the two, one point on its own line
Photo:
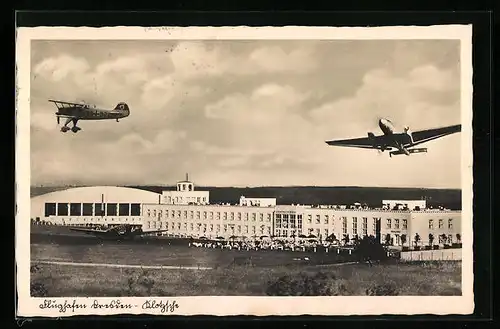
x=73 y=112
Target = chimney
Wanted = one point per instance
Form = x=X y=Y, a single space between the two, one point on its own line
x=187 y=177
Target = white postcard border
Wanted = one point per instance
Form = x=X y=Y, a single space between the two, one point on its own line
x=349 y=305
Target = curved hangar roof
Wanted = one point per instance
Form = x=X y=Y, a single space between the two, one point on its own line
x=96 y=193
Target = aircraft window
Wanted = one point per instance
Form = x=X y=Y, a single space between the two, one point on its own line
x=111 y=209
x=62 y=209
x=135 y=209
x=87 y=209
x=124 y=209
x=50 y=209
x=75 y=209
x=99 y=209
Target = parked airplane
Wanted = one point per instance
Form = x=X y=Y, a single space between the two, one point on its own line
x=119 y=232
x=81 y=111
x=397 y=143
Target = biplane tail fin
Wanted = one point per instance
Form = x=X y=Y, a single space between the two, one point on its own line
x=122 y=107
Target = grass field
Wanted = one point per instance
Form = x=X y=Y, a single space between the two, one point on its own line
x=144 y=254
x=436 y=279
x=277 y=273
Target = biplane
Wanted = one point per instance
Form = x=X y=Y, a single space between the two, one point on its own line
x=73 y=112
x=119 y=232
x=397 y=143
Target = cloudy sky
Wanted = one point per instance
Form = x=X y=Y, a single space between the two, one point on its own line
x=244 y=113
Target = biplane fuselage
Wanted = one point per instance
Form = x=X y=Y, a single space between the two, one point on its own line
x=73 y=112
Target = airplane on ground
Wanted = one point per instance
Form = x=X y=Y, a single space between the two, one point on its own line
x=81 y=111
x=397 y=143
x=119 y=232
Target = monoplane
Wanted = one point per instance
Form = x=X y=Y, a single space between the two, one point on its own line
x=397 y=143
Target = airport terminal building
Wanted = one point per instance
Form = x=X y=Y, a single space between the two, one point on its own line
x=188 y=212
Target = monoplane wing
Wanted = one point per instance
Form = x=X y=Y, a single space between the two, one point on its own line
x=372 y=142
x=90 y=231
x=423 y=136
x=143 y=233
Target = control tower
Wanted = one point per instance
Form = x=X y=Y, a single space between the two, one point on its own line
x=186 y=194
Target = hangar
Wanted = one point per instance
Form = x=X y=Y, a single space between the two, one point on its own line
x=92 y=205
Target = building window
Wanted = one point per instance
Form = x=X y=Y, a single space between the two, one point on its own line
x=318 y=219
x=98 y=209
x=440 y=223
x=365 y=226
x=450 y=224
x=344 y=225
x=431 y=224
x=396 y=224
x=135 y=209
x=355 y=225
x=388 y=225
x=75 y=209
x=326 y=219
x=111 y=209
x=405 y=224
x=124 y=209
x=50 y=209
x=62 y=209
x=87 y=209
x=309 y=219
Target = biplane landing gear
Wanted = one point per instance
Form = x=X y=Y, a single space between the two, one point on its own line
x=64 y=129
x=75 y=129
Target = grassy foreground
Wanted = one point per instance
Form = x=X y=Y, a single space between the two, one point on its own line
x=425 y=279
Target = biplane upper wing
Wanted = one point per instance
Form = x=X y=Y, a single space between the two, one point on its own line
x=423 y=136
x=55 y=101
x=372 y=142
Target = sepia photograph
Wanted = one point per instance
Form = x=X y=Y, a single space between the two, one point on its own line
x=255 y=167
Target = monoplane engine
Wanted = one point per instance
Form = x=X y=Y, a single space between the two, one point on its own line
x=409 y=134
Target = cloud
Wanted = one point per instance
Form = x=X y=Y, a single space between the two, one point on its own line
x=276 y=59
x=405 y=99
x=60 y=67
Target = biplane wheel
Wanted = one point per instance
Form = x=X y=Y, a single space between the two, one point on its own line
x=75 y=129
x=64 y=129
